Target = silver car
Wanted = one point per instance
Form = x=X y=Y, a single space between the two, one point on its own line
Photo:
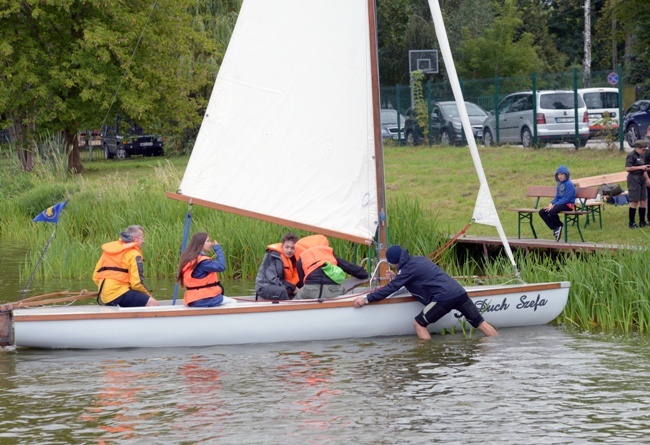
x=554 y=116
x=389 y=122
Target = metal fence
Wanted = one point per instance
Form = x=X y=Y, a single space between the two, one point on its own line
x=488 y=93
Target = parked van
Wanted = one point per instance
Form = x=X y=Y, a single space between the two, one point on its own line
x=602 y=105
x=555 y=117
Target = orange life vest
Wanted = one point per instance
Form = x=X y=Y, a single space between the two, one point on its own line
x=110 y=263
x=200 y=288
x=315 y=257
x=310 y=241
x=290 y=271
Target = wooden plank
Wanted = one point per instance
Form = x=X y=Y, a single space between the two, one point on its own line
x=610 y=178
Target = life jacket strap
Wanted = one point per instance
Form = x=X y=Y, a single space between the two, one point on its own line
x=218 y=283
x=117 y=269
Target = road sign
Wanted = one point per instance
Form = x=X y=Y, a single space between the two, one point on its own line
x=612 y=78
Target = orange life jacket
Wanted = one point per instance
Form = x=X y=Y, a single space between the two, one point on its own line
x=200 y=288
x=110 y=263
x=290 y=271
x=315 y=257
x=310 y=241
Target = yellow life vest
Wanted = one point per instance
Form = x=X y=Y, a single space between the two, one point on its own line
x=111 y=265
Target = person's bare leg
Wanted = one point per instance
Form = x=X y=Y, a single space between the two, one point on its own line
x=152 y=302
x=488 y=329
x=421 y=331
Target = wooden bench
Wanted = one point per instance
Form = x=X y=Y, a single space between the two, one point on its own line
x=582 y=193
x=594 y=206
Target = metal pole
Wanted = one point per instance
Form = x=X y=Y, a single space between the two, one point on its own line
x=38 y=263
x=534 y=81
x=496 y=107
x=576 y=142
x=621 y=129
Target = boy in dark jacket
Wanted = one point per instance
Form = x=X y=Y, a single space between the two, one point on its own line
x=437 y=291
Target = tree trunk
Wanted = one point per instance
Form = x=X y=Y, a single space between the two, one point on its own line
x=74 y=158
x=17 y=135
x=586 y=63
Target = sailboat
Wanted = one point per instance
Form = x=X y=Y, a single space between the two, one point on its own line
x=291 y=135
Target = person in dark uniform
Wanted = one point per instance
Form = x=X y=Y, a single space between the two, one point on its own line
x=637 y=182
x=437 y=291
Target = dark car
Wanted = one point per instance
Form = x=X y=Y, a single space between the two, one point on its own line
x=446 y=126
x=636 y=121
x=133 y=141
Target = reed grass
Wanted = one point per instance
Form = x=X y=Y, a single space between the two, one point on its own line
x=609 y=288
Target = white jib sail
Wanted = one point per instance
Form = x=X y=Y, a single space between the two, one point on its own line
x=288 y=132
x=484 y=210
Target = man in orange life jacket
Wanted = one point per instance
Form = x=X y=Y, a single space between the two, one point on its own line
x=119 y=273
x=277 y=278
x=315 y=260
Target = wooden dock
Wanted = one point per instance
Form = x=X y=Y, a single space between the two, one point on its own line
x=492 y=243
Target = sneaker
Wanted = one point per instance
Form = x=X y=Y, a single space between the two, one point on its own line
x=633 y=226
x=558 y=233
x=642 y=224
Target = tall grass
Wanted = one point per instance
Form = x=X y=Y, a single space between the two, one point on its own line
x=609 y=288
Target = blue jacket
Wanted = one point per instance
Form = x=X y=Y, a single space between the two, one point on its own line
x=423 y=279
x=566 y=191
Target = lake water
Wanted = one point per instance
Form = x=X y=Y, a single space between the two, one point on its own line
x=541 y=385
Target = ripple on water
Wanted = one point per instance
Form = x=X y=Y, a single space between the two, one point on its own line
x=540 y=385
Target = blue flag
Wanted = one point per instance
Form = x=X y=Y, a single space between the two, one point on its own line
x=51 y=214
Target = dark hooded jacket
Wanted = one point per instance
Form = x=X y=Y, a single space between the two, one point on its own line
x=423 y=279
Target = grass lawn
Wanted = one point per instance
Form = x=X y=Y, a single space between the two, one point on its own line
x=444 y=180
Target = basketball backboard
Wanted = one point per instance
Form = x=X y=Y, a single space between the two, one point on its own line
x=425 y=60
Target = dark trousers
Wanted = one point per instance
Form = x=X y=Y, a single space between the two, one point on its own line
x=273 y=292
x=434 y=311
x=551 y=218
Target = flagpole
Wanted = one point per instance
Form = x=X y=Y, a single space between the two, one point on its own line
x=49 y=215
x=38 y=263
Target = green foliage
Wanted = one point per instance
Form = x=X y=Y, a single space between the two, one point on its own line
x=85 y=66
x=420 y=105
x=501 y=50
x=392 y=22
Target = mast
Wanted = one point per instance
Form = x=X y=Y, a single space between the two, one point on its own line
x=379 y=151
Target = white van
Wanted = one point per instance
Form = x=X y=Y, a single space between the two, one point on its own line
x=599 y=102
x=554 y=117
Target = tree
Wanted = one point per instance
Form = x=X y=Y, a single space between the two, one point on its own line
x=535 y=16
x=501 y=49
x=77 y=63
x=392 y=22
x=630 y=33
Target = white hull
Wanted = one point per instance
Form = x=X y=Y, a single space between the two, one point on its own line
x=100 y=327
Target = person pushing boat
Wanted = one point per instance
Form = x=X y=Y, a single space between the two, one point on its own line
x=431 y=286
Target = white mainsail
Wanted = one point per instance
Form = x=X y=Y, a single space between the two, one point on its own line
x=288 y=134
